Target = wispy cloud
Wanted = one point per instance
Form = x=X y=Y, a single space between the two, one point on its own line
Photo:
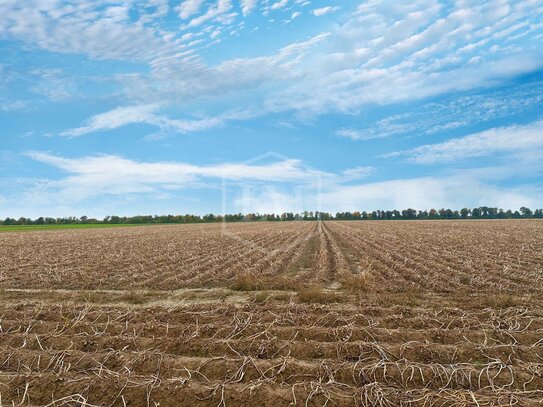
x=385 y=54
x=102 y=175
x=382 y=53
x=126 y=115
x=103 y=32
x=383 y=128
x=279 y=4
x=358 y=173
x=429 y=192
x=324 y=10
x=188 y=8
x=11 y=105
x=452 y=113
x=509 y=140
x=282 y=185
x=247 y=6
x=220 y=12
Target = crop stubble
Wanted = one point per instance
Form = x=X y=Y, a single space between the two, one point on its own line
x=449 y=314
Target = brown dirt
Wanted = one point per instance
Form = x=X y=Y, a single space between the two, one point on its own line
x=446 y=314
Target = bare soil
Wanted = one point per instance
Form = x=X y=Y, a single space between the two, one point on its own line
x=339 y=313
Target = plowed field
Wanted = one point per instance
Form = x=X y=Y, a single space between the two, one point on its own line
x=364 y=313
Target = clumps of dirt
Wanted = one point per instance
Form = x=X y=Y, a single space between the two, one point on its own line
x=250 y=282
x=317 y=295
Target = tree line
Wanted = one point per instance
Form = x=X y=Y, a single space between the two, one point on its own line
x=482 y=212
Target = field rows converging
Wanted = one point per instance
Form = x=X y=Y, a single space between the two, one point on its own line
x=274 y=314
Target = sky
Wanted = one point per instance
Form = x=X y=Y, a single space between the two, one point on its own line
x=133 y=107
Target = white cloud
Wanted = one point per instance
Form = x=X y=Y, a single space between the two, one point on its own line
x=232 y=77
x=443 y=116
x=324 y=10
x=429 y=192
x=458 y=191
x=279 y=4
x=10 y=105
x=126 y=115
x=508 y=140
x=358 y=172
x=188 y=8
x=98 y=176
x=80 y=28
x=247 y=6
x=284 y=185
x=383 y=128
x=213 y=13
x=388 y=53
x=215 y=33
x=381 y=53
x=165 y=172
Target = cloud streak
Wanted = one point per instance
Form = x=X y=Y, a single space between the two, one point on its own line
x=123 y=116
x=324 y=10
x=265 y=186
x=504 y=140
x=113 y=175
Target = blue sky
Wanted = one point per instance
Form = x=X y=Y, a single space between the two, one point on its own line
x=193 y=106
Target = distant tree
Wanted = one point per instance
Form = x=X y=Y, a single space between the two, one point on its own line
x=209 y=218
x=409 y=213
x=115 y=219
x=422 y=215
x=526 y=212
x=465 y=213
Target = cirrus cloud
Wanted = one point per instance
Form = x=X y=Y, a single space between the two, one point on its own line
x=508 y=140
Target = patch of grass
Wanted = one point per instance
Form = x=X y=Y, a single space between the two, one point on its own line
x=29 y=228
x=246 y=282
x=94 y=297
x=250 y=282
x=264 y=296
x=281 y=283
x=465 y=280
x=261 y=297
x=134 y=297
x=500 y=301
x=478 y=364
x=408 y=298
x=281 y=296
x=357 y=283
x=316 y=295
